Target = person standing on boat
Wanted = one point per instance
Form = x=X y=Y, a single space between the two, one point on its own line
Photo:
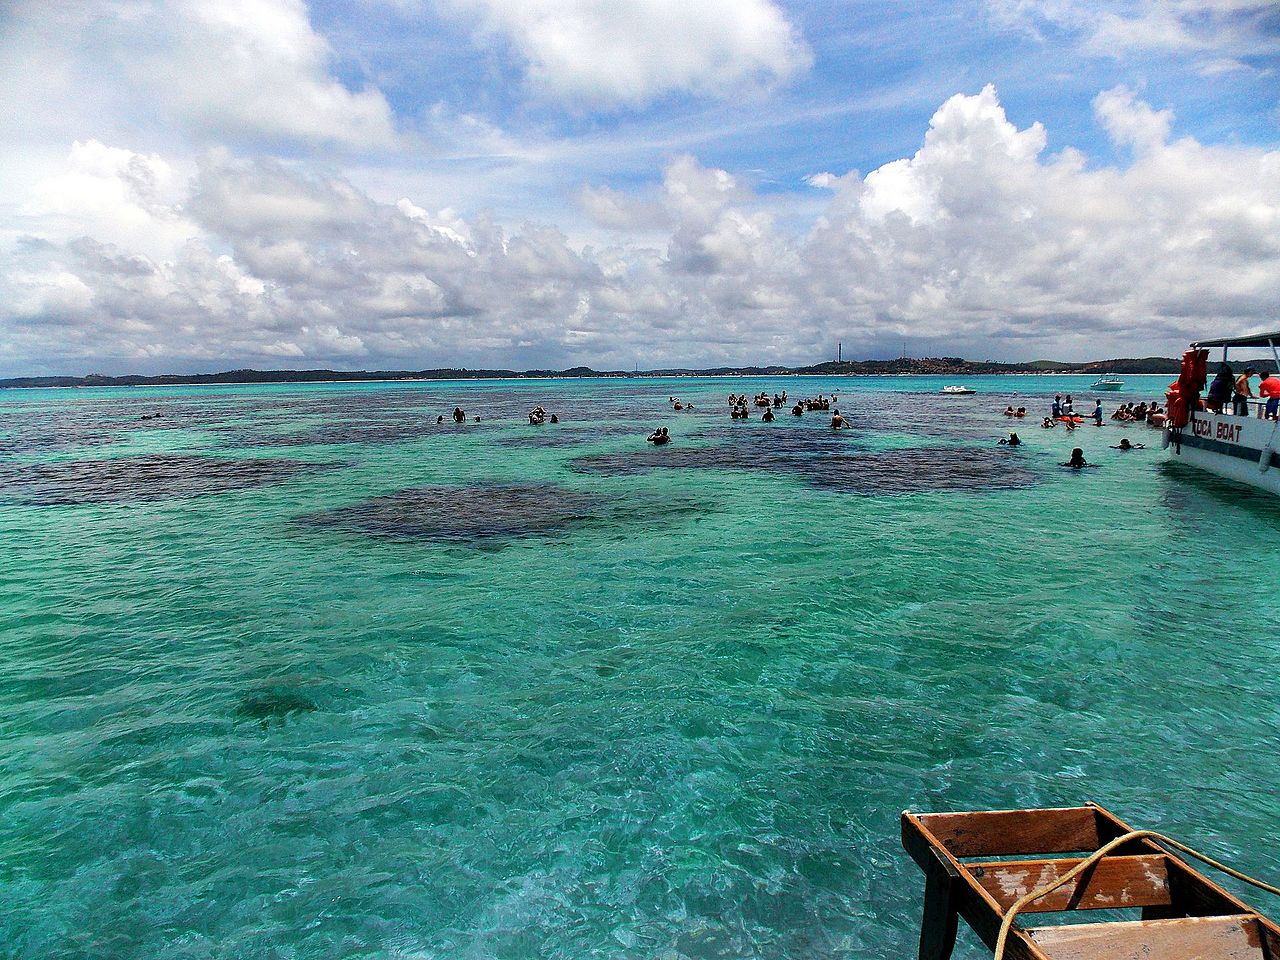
x=1221 y=389
x=1270 y=388
x=1240 y=402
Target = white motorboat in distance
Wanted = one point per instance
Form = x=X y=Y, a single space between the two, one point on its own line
x=1108 y=381
x=958 y=391
x=1243 y=448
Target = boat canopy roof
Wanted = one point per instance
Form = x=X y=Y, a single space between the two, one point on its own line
x=1256 y=340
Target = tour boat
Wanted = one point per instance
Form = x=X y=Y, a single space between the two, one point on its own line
x=955 y=391
x=1108 y=381
x=1239 y=448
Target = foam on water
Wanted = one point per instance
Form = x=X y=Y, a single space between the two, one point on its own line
x=676 y=714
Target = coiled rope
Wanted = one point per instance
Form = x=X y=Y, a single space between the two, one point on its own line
x=1007 y=924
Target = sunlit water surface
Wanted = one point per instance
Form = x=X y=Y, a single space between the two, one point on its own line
x=293 y=671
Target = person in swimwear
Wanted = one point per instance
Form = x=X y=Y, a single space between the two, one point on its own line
x=1013 y=441
x=1077 y=461
x=659 y=437
x=1048 y=424
x=1126 y=445
x=1097 y=413
x=767 y=417
x=459 y=416
x=838 y=422
x=1008 y=411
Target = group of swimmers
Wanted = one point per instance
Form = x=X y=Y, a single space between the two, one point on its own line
x=538 y=416
x=459 y=416
x=1149 y=413
x=1064 y=412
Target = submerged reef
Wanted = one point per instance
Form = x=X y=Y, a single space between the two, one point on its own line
x=141 y=478
x=464 y=514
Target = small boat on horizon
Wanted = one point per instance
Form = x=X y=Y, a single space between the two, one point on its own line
x=1108 y=381
x=958 y=391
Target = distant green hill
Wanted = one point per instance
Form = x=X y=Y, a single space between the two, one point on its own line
x=903 y=366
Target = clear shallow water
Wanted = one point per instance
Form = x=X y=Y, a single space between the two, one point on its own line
x=290 y=671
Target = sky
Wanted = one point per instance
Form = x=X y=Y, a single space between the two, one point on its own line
x=190 y=186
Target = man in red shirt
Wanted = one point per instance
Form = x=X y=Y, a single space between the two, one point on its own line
x=1270 y=388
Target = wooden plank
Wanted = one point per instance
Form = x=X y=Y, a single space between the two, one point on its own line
x=1189 y=938
x=1135 y=881
x=998 y=833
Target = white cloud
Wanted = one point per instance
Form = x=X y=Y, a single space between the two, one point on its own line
x=239 y=69
x=1130 y=121
x=1217 y=33
x=977 y=243
x=629 y=52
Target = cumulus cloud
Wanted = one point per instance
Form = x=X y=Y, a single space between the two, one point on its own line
x=240 y=69
x=978 y=243
x=606 y=52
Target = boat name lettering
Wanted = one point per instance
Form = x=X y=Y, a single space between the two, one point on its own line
x=1219 y=430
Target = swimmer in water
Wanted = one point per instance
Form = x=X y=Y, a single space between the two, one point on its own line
x=1008 y=411
x=440 y=419
x=767 y=416
x=838 y=422
x=1077 y=461
x=459 y=416
x=659 y=437
x=1126 y=445
x=1048 y=424
x=1013 y=441
x=554 y=418
x=797 y=411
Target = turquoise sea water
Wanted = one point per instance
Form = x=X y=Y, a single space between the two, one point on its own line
x=293 y=672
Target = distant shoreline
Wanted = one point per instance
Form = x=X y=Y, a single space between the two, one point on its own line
x=905 y=367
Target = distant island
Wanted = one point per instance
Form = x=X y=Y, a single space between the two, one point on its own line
x=904 y=366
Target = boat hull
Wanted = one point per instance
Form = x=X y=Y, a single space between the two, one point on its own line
x=1230 y=447
x=1108 y=387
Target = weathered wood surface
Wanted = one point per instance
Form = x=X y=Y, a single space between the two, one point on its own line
x=1187 y=938
x=998 y=833
x=1134 y=881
